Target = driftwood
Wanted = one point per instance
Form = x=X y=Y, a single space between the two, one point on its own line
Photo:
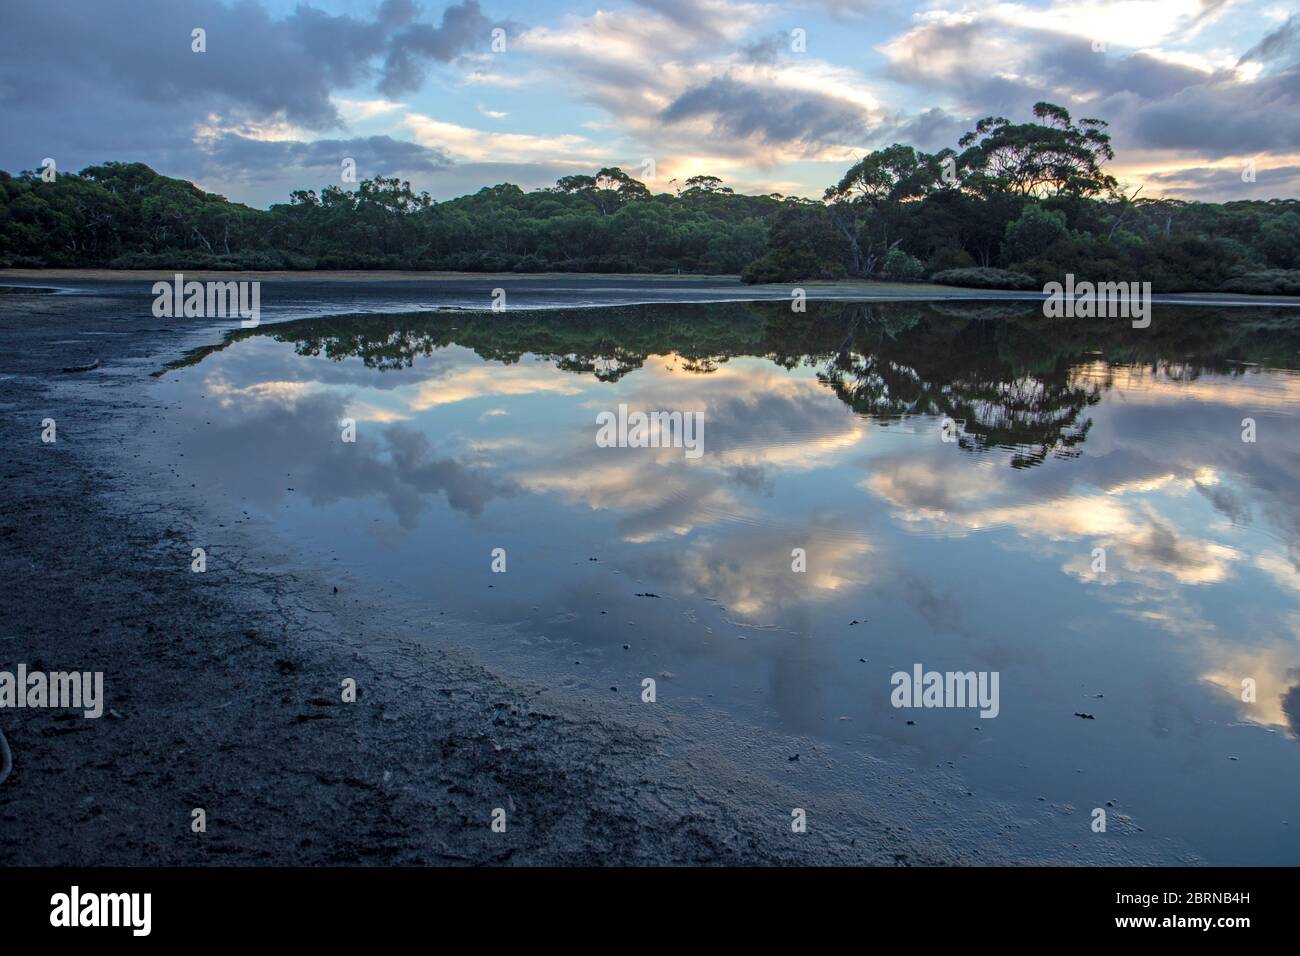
x=82 y=368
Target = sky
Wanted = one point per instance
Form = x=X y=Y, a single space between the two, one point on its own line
x=1203 y=96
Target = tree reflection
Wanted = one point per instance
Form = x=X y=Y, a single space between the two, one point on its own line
x=1008 y=375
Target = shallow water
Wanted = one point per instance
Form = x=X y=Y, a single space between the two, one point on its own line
x=824 y=432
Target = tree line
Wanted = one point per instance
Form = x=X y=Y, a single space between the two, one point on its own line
x=1012 y=205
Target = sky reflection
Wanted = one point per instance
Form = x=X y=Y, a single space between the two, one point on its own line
x=823 y=433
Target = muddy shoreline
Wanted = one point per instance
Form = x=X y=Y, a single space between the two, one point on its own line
x=552 y=288
x=223 y=691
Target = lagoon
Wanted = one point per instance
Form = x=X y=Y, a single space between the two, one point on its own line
x=477 y=431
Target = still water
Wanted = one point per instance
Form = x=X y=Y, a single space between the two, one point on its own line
x=1097 y=533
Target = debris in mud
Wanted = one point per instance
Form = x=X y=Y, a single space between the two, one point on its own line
x=82 y=368
x=1084 y=716
x=647 y=594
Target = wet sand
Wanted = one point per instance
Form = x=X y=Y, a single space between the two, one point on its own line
x=222 y=689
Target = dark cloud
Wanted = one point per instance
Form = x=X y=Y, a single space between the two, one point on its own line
x=255 y=64
x=768 y=114
x=1222 y=117
x=1150 y=103
x=396 y=463
x=1227 y=501
x=463 y=28
x=1282 y=44
x=1053 y=60
x=705 y=19
x=852 y=9
x=1291 y=704
x=765 y=49
x=238 y=156
x=932 y=130
x=1216 y=182
x=940 y=611
x=85 y=81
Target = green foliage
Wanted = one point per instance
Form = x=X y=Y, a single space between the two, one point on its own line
x=949 y=257
x=1013 y=384
x=1281 y=238
x=899 y=265
x=981 y=277
x=803 y=243
x=1034 y=197
x=1054 y=157
x=1035 y=230
x=1175 y=264
x=1269 y=282
x=128 y=216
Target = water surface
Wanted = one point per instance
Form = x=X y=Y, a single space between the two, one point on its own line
x=824 y=432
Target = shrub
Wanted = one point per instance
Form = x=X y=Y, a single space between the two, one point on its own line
x=1268 y=282
x=949 y=257
x=791 y=265
x=899 y=265
x=1035 y=230
x=980 y=277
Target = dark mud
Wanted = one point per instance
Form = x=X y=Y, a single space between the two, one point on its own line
x=223 y=690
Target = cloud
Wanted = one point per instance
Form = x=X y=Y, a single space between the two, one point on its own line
x=280 y=424
x=1280 y=45
x=489 y=146
x=769 y=115
x=463 y=28
x=700 y=85
x=697 y=96
x=1213 y=182
x=85 y=82
x=254 y=63
x=1176 y=103
x=234 y=156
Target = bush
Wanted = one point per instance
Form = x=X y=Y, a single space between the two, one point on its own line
x=791 y=265
x=1268 y=282
x=899 y=265
x=949 y=257
x=980 y=277
x=1035 y=230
